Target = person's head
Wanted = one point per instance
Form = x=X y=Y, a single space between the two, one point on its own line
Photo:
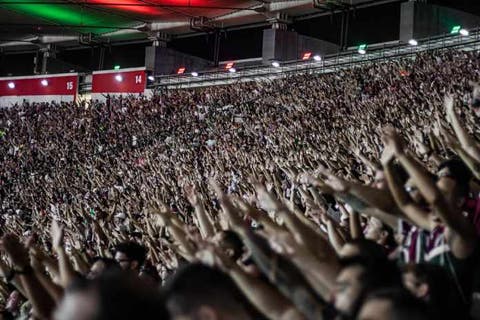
x=101 y=265
x=359 y=277
x=230 y=243
x=434 y=285
x=413 y=192
x=364 y=248
x=380 y=232
x=379 y=181
x=130 y=255
x=149 y=274
x=14 y=301
x=200 y=292
x=453 y=179
x=416 y=280
x=393 y=304
x=115 y=296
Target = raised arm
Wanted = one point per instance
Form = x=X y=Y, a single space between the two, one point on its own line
x=470 y=161
x=9 y=276
x=412 y=211
x=461 y=235
x=41 y=301
x=268 y=300
x=187 y=249
x=289 y=280
x=354 y=224
x=334 y=236
x=466 y=141
x=67 y=273
x=307 y=236
x=207 y=229
x=363 y=199
x=420 y=176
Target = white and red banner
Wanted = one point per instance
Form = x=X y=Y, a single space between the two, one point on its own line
x=38 y=88
x=124 y=82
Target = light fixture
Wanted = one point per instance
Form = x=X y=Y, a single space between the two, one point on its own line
x=181 y=70
x=44 y=82
x=151 y=78
x=306 y=55
x=117 y=67
x=195 y=74
x=362 y=49
x=412 y=42
x=11 y=85
x=464 y=32
x=455 y=29
x=229 y=65
x=232 y=70
x=119 y=78
x=317 y=57
x=275 y=64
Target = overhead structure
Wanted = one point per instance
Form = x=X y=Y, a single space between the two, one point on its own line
x=66 y=23
x=46 y=31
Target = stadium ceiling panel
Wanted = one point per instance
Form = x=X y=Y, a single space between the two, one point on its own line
x=63 y=22
x=38 y=23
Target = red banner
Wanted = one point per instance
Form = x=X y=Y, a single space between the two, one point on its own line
x=123 y=81
x=47 y=85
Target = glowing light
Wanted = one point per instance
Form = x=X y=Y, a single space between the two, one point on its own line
x=232 y=70
x=68 y=14
x=306 y=55
x=229 y=65
x=127 y=5
x=117 y=67
x=456 y=29
x=317 y=58
x=362 y=49
x=181 y=70
x=44 y=82
x=11 y=85
x=119 y=78
x=412 y=42
x=195 y=74
x=464 y=32
x=275 y=64
x=151 y=78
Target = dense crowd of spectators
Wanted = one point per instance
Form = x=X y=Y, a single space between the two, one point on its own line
x=350 y=195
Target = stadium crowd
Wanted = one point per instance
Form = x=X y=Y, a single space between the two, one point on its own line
x=349 y=195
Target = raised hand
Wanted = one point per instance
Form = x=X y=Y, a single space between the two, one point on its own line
x=4 y=269
x=387 y=155
x=191 y=194
x=336 y=183
x=476 y=90
x=16 y=251
x=57 y=235
x=449 y=106
x=392 y=139
x=333 y=182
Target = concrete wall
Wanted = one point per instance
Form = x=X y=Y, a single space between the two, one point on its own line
x=282 y=45
x=163 y=61
x=421 y=20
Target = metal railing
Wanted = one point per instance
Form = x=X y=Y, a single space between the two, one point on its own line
x=331 y=63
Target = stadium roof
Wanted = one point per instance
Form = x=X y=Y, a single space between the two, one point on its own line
x=24 y=22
